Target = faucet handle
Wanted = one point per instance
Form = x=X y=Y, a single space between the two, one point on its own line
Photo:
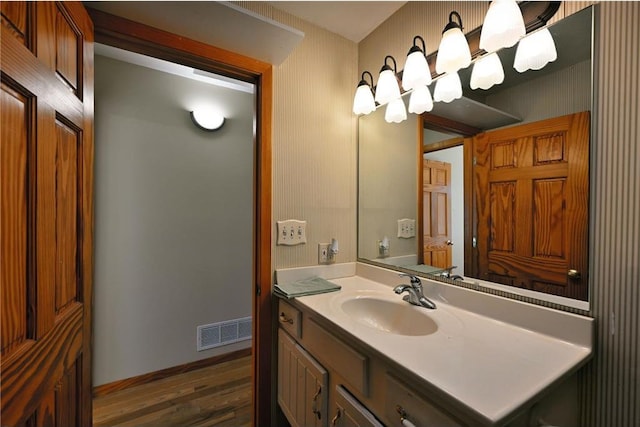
x=414 y=280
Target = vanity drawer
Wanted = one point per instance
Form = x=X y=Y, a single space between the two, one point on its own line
x=290 y=319
x=350 y=412
x=345 y=361
x=402 y=402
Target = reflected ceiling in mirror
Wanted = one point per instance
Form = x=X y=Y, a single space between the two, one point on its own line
x=390 y=155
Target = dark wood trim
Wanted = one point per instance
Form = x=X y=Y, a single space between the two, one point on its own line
x=420 y=192
x=470 y=220
x=264 y=322
x=443 y=124
x=136 y=37
x=441 y=145
x=104 y=389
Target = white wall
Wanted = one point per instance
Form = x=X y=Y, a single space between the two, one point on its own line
x=387 y=187
x=173 y=236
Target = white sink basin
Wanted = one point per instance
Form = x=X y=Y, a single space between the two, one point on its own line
x=389 y=316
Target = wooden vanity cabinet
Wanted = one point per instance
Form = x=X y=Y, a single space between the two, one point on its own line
x=302 y=385
x=327 y=379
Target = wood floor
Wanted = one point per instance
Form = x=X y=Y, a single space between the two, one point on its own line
x=218 y=395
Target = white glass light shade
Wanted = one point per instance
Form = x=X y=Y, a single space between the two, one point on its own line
x=207 y=118
x=487 y=71
x=535 y=51
x=503 y=26
x=387 y=88
x=416 y=71
x=363 y=102
x=420 y=100
x=453 y=53
x=395 y=112
x=448 y=88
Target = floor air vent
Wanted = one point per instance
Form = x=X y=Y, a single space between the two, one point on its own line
x=223 y=333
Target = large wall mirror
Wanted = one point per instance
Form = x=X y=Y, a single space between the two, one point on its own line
x=491 y=190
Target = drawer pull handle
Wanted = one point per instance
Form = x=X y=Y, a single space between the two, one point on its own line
x=314 y=406
x=334 y=420
x=285 y=319
x=403 y=417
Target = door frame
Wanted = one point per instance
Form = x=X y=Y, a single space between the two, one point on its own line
x=135 y=37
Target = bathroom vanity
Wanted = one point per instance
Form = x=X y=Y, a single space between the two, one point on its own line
x=362 y=356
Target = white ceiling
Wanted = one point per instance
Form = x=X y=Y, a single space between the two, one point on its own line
x=353 y=20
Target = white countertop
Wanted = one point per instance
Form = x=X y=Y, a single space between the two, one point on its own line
x=484 y=366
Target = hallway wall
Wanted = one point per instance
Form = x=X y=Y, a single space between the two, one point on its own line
x=174 y=215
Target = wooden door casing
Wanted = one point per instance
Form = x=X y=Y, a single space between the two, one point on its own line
x=532 y=199
x=436 y=213
x=47 y=213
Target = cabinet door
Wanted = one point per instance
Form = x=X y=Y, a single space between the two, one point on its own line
x=351 y=413
x=302 y=385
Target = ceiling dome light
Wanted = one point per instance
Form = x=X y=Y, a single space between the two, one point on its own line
x=396 y=111
x=453 y=53
x=387 y=88
x=363 y=102
x=448 y=88
x=207 y=119
x=535 y=51
x=420 y=100
x=416 y=69
x=503 y=26
x=487 y=71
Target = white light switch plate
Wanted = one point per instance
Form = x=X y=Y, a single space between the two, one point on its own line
x=406 y=228
x=292 y=232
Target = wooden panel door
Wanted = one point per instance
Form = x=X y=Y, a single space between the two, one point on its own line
x=436 y=219
x=532 y=196
x=46 y=220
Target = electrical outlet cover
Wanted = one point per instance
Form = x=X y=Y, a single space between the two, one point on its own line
x=323 y=253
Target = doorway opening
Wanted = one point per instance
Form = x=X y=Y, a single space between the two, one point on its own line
x=133 y=37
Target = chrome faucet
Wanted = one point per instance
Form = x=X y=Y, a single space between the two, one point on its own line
x=414 y=291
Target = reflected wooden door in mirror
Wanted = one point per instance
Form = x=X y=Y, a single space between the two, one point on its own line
x=436 y=187
x=531 y=195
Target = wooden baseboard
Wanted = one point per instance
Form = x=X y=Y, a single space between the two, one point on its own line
x=105 y=389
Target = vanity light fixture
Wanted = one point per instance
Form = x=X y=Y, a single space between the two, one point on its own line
x=416 y=69
x=453 y=53
x=387 y=88
x=363 y=102
x=503 y=26
x=395 y=112
x=535 y=51
x=487 y=71
x=448 y=88
x=207 y=119
x=420 y=100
